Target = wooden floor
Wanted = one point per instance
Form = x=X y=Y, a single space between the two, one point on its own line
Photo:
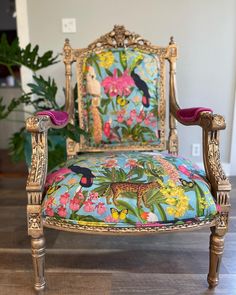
x=164 y=264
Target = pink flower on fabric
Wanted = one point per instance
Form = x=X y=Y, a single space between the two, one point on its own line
x=79 y=195
x=107 y=129
x=49 y=201
x=64 y=198
x=147 y=121
x=129 y=121
x=61 y=211
x=153 y=124
x=57 y=176
x=132 y=163
x=120 y=118
x=110 y=163
x=141 y=116
x=88 y=206
x=133 y=113
x=126 y=81
x=49 y=211
x=93 y=196
x=110 y=219
x=139 y=119
x=111 y=85
x=114 y=85
x=101 y=209
x=74 y=204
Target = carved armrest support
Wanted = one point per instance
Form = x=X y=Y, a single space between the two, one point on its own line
x=38 y=126
x=211 y=125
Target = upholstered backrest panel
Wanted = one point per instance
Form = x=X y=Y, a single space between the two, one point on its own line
x=121 y=91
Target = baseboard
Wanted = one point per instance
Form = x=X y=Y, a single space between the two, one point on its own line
x=226 y=167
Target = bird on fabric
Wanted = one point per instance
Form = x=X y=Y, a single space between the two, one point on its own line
x=87 y=175
x=142 y=86
x=93 y=88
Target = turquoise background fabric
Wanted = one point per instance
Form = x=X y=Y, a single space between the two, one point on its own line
x=172 y=190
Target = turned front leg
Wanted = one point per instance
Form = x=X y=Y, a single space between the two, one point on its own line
x=216 y=251
x=38 y=255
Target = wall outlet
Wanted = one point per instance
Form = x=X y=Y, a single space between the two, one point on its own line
x=68 y=25
x=196 y=149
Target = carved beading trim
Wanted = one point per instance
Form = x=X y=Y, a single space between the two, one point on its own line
x=52 y=222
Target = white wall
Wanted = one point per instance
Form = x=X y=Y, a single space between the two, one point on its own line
x=205 y=31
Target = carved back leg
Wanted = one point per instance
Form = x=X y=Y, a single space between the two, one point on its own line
x=216 y=252
x=38 y=255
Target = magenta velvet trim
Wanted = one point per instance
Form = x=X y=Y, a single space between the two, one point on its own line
x=191 y=114
x=58 y=117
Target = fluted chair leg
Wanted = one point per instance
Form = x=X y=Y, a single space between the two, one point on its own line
x=38 y=255
x=216 y=252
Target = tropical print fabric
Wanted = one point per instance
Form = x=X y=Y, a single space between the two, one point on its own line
x=132 y=189
x=121 y=95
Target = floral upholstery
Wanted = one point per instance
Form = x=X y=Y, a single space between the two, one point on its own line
x=121 y=96
x=132 y=189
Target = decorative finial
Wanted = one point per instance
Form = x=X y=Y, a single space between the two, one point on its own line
x=67 y=41
x=172 y=41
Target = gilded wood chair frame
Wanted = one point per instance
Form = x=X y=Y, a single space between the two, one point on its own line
x=211 y=125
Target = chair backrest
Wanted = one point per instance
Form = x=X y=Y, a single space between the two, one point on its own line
x=121 y=92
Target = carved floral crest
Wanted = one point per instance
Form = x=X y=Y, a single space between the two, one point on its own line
x=119 y=37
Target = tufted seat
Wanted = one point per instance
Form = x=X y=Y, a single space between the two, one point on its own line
x=134 y=189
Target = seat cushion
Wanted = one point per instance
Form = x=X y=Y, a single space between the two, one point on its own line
x=128 y=189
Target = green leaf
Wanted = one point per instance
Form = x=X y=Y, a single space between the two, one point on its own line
x=161 y=211
x=123 y=60
x=16 y=146
x=109 y=73
x=13 y=55
x=46 y=91
x=15 y=102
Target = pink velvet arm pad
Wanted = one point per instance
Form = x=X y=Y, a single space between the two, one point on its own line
x=191 y=114
x=58 y=117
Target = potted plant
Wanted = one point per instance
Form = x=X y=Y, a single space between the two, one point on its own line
x=42 y=96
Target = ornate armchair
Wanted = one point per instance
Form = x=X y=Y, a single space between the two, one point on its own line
x=125 y=176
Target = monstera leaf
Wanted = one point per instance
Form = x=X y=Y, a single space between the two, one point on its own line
x=13 y=55
x=46 y=91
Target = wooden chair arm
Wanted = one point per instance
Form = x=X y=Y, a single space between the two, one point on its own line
x=38 y=126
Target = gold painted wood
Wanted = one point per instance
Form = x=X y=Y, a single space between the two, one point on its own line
x=38 y=255
x=211 y=125
x=52 y=222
